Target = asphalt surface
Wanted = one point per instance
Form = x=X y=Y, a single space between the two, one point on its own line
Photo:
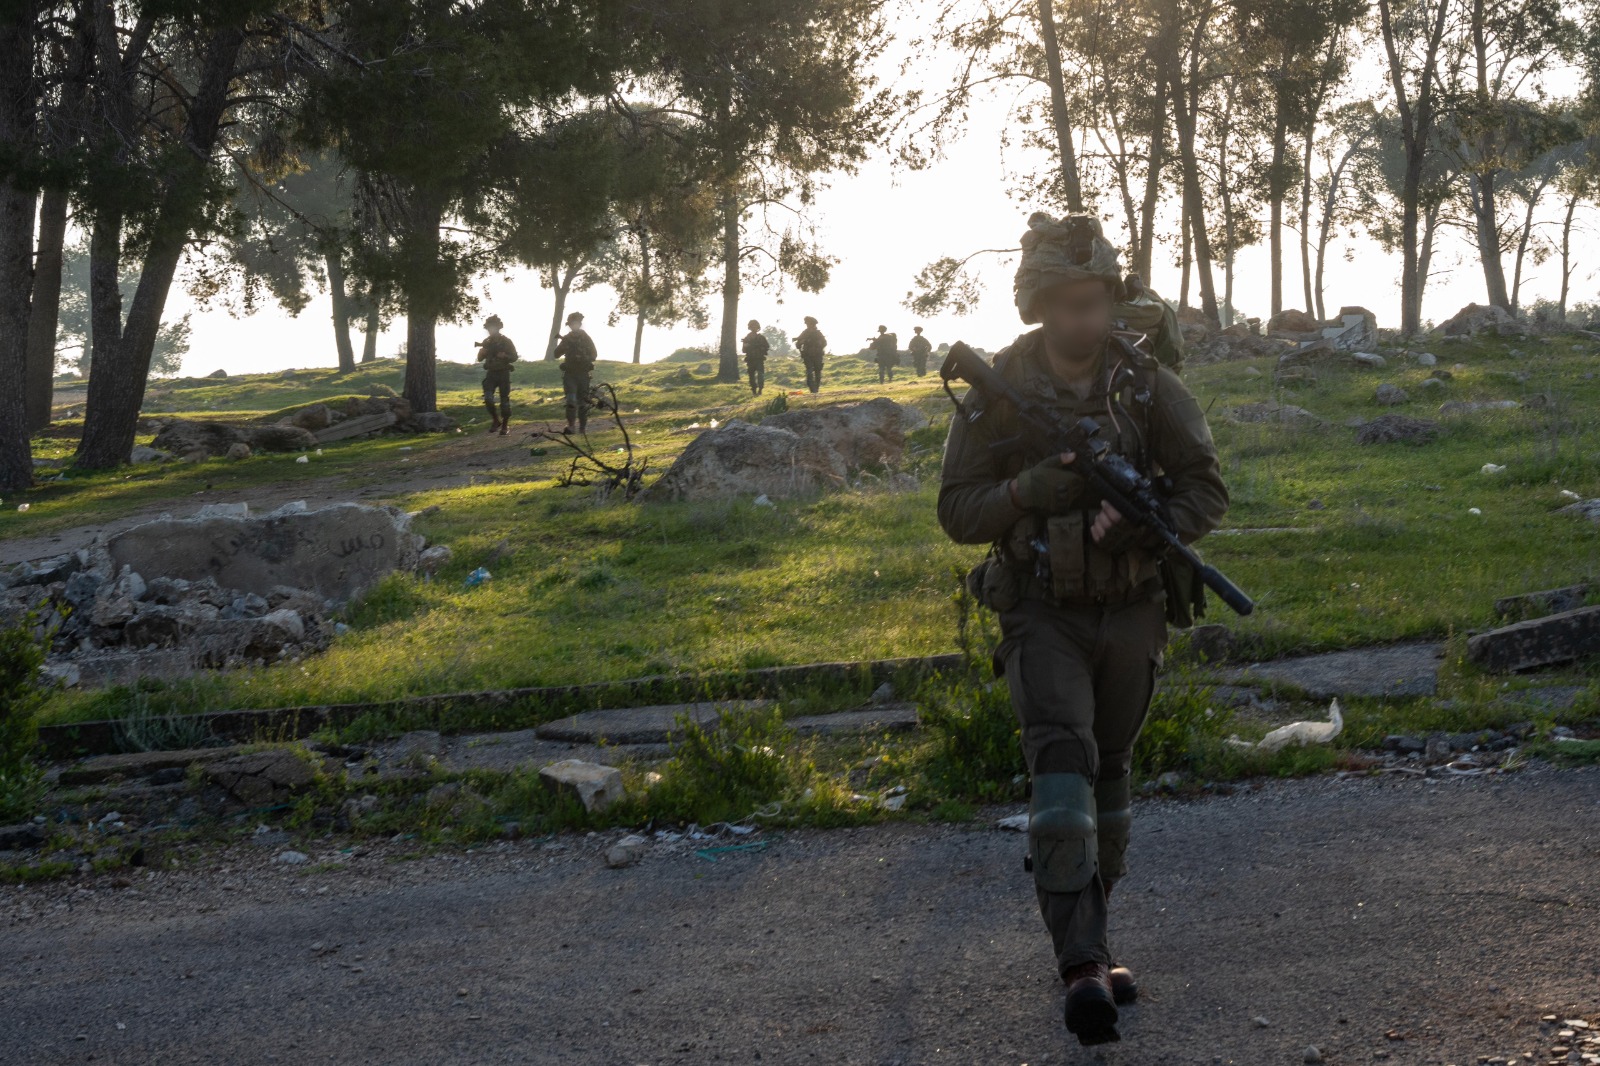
x=1404 y=921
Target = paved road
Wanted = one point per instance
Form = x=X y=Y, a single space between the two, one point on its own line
x=1451 y=915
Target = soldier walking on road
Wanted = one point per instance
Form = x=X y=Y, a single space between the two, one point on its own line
x=577 y=354
x=497 y=353
x=813 y=346
x=919 y=347
x=1083 y=596
x=755 y=348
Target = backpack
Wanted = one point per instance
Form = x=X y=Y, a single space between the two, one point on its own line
x=1142 y=310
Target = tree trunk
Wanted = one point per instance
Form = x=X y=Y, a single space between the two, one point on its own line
x=17 y=205
x=1305 y=214
x=1566 y=257
x=1325 y=232
x=1194 y=200
x=1416 y=127
x=117 y=381
x=369 y=343
x=644 y=290
x=1070 y=185
x=422 y=316
x=728 y=349
x=1152 y=190
x=562 y=284
x=44 y=316
x=1429 y=227
x=1522 y=244
x=1186 y=257
x=1486 y=229
x=341 y=311
x=1276 y=191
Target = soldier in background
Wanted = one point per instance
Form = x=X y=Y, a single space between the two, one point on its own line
x=1081 y=593
x=755 y=349
x=887 y=345
x=813 y=346
x=919 y=347
x=577 y=354
x=497 y=353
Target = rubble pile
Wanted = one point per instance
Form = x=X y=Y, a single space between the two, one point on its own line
x=222 y=588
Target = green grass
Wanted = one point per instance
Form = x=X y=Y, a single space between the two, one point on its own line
x=590 y=591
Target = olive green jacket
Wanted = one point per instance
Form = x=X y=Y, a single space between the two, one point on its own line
x=1169 y=434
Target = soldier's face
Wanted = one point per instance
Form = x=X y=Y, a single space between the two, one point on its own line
x=1075 y=315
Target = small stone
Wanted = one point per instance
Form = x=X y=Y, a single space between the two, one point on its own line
x=883 y=693
x=1170 y=781
x=1261 y=1022
x=1388 y=395
x=291 y=858
x=1251 y=372
x=238 y=450
x=1313 y=1054
x=627 y=851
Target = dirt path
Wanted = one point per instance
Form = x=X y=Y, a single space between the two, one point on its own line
x=1407 y=922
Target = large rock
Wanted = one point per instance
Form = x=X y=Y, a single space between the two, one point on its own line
x=1396 y=429
x=1266 y=411
x=1478 y=318
x=1390 y=395
x=226 y=641
x=1557 y=638
x=739 y=459
x=357 y=426
x=335 y=552
x=864 y=434
x=1292 y=321
x=313 y=418
x=596 y=786
x=216 y=438
x=262 y=778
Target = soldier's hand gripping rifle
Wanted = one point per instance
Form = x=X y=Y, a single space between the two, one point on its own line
x=1043 y=431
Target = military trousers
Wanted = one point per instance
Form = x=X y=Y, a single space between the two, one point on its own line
x=813 y=374
x=758 y=377
x=497 y=381
x=1081 y=676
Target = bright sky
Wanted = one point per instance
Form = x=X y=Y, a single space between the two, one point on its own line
x=883 y=224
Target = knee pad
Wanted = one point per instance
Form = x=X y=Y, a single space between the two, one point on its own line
x=1113 y=802
x=1061 y=832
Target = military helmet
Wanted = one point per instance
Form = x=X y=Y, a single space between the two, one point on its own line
x=493 y=322
x=811 y=320
x=752 y=325
x=1056 y=251
x=576 y=316
x=916 y=329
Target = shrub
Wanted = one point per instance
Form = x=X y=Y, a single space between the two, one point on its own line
x=21 y=696
x=724 y=772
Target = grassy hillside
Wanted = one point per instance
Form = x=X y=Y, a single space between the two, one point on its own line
x=1340 y=544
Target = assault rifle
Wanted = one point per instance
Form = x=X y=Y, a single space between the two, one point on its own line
x=1043 y=431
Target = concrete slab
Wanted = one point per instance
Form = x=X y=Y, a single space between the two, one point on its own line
x=638 y=725
x=1398 y=670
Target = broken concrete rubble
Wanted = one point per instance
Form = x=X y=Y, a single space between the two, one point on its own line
x=228 y=589
x=1556 y=638
x=596 y=786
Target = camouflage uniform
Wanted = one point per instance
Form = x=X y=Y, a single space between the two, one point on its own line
x=920 y=348
x=755 y=349
x=1083 y=623
x=813 y=346
x=887 y=345
x=497 y=353
x=578 y=356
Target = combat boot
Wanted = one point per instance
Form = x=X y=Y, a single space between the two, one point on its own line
x=1091 y=1011
x=572 y=415
x=494 y=423
x=505 y=419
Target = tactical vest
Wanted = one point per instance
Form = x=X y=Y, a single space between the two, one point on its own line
x=1055 y=557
